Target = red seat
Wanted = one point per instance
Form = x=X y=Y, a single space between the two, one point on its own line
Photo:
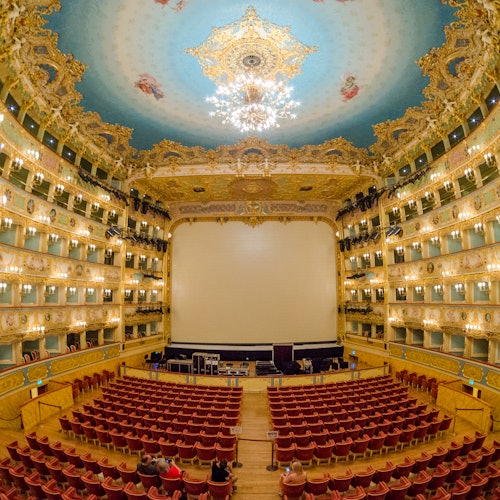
x=113 y=491
x=292 y=491
x=167 y=448
x=127 y=475
x=397 y=491
x=107 y=469
x=194 y=486
x=438 y=477
x=92 y=485
x=342 y=449
x=317 y=486
x=377 y=493
x=441 y=494
x=323 y=452
x=419 y=483
x=363 y=478
x=305 y=454
x=52 y=491
x=384 y=473
x=404 y=468
x=460 y=490
x=133 y=493
x=477 y=484
x=360 y=446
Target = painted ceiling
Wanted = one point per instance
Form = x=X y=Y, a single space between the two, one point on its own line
x=363 y=71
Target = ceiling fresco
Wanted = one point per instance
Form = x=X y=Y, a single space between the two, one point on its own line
x=139 y=72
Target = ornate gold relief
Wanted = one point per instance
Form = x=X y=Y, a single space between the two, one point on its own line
x=12 y=381
x=493 y=379
x=472 y=372
x=113 y=351
x=396 y=351
x=37 y=372
x=445 y=364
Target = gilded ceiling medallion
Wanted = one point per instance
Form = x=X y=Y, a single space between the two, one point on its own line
x=251 y=188
x=251 y=44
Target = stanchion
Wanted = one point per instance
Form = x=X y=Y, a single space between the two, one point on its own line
x=272 y=435
x=237 y=464
x=236 y=431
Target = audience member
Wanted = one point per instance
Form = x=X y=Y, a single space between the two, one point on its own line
x=147 y=465
x=221 y=472
x=296 y=475
x=169 y=469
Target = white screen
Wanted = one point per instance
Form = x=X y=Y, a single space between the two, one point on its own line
x=237 y=284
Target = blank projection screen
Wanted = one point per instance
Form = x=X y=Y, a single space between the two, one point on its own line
x=237 y=284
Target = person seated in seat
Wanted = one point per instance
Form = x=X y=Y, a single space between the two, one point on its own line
x=169 y=469
x=296 y=475
x=147 y=465
x=221 y=472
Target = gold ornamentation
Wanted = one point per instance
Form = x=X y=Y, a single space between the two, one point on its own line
x=251 y=44
x=472 y=372
x=11 y=382
x=396 y=351
x=37 y=372
x=493 y=379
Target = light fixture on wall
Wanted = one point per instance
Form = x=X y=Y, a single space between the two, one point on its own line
x=455 y=235
x=490 y=159
x=448 y=186
x=438 y=289
x=71 y=291
x=50 y=290
x=469 y=174
x=78 y=199
x=17 y=164
x=144 y=224
x=352 y=258
x=483 y=286
x=435 y=240
x=6 y=223
x=479 y=228
x=379 y=254
x=400 y=250
x=58 y=189
x=419 y=290
x=38 y=179
x=417 y=246
x=142 y=258
x=107 y=293
x=401 y=291
x=473 y=149
x=53 y=238
x=90 y=291
x=411 y=204
x=26 y=289
x=128 y=293
x=91 y=248
x=128 y=256
x=30 y=232
x=3 y=288
x=380 y=292
x=73 y=244
x=109 y=252
x=367 y=292
x=366 y=257
x=95 y=207
x=142 y=294
x=429 y=196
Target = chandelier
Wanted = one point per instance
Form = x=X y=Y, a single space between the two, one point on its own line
x=251 y=103
x=250 y=61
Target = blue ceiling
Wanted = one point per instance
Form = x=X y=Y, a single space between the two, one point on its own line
x=376 y=42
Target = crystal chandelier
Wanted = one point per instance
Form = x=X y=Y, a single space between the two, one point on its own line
x=251 y=103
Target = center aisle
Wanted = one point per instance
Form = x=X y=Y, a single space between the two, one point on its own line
x=254 y=451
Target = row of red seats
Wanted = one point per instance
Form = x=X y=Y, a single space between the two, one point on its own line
x=64 y=467
x=424 y=475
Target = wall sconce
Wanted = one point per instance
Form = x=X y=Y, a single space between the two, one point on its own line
x=483 y=286
x=354 y=293
x=5 y=223
x=38 y=329
x=71 y=291
x=366 y=257
x=469 y=174
x=30 y=232
x=395 y=211
x=109 y=252
x=78 y=199
x=3 y=288
x=90 y=291
x=50 y=290
x=379 y=254
x=142 y=258
x=411 y=204
x=91 y=248
x=128 y=293
x=144 y=224
x=53 y=238
x=107 y=293
x=111 y=214
x=367 y=292
x=490 y=159
x=417 y=246
x=38 y=179
x=455 y=234
x=352 y=258
x=448 y=186
x=429 y=196
x=436 y=241
x=472 y=149
x=95 y=207
x=400 y=250
x=26 y=289
x=142 y=293
x=73 y=244
x=17 y=164
x=479 y=228
x=438 y=289
x=128 y=256
x=59 y=190
x=380 y=292
x=156 y=260
x=154 y=292
x=401 y=291
x=419 y=290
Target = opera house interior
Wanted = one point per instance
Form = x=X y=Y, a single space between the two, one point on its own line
x=263 y=232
